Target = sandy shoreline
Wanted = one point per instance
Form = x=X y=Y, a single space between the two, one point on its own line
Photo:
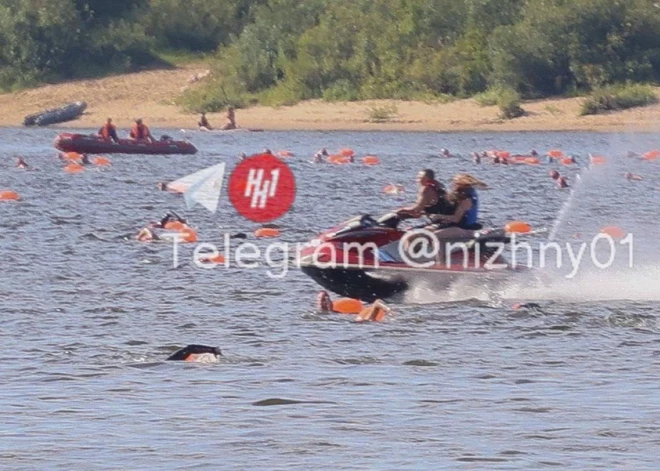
x=150 y=95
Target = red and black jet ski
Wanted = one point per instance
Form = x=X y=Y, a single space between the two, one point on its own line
x=365 y=258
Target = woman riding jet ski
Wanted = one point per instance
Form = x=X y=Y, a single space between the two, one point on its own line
x=367 y=258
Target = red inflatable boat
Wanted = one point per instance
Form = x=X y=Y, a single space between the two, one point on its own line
x=91 y=144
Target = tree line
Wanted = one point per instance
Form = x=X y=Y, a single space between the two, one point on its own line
x=282 y=51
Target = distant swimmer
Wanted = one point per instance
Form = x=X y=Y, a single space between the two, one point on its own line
x=84 y=159
x=108 y=131
x=169 y=217
x=318 y=158
x=147 y=234
x=267 y=151
x=554 y=174
x=633 y=177
x=529 y=306
x=562 y=182
x=21 y=163
x=533 y=153
x=242 y=157
x=445 y=152
x=476 y=158
x=204 y=124
x=231 y=120
x=197 y=354
x=375 y=312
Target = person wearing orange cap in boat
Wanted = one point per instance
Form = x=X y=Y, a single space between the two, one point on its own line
x=430 y=197
x=231 y=120
x=374 y=312
x=108 y=131
x=21 y=163
x=140 y=131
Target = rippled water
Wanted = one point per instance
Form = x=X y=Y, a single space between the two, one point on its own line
x=453 y=380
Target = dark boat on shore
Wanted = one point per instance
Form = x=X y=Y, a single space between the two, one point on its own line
x=93 y=144
x=56 y=115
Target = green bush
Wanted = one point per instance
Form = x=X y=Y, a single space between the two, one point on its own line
x=509 y=103
x=341 y=90
x=618 y=97
x=382 y=114
x=490 y=97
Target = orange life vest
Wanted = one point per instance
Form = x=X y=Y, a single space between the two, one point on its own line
x=139 y=131
x=107 y=131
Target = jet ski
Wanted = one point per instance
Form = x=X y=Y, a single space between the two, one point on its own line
x=366 y=258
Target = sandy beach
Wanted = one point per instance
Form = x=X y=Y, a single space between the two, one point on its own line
x=151 y=95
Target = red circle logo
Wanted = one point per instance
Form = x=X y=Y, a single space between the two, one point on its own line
x=262 y=188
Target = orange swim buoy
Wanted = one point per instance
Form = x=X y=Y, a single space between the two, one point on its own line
x=614 y=232
x=72 y=156
x=347 y=306
x=101 y=161
x=597 y=159
x=566 y=161
x=517 y=227
x=346 y=152
x=555 y=153
x=74 y=168
x=188 y=234
x=531 y=160
x=218 y=259
x=285 y=153
x=174 y=226
x=9 y=195
x=503 y=154
x=393 y=189
x=651 y=155
x=339 y=159
x=370 y=160
x=267 y=232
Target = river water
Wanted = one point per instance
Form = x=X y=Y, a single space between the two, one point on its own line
x=453 y=380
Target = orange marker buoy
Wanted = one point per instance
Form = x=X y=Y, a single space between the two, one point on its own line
x=346 y=152
x=597 y=159
x=74 y=168
x=555 y=153
x=370 y=160
x=267 y=232
x=347 y=306
x=9 y=195
x=285 y=153
x=101 y=161
x=517 y=227
x=339 y=159
x=393 y=189
x=531 y=161
x=614 y=232
x=503 y=154
x=72 y=156
x=188 y=234
x=651 y=155
x=174 y=226
x=217 y=259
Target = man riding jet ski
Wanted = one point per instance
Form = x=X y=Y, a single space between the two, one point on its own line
x=369 y=258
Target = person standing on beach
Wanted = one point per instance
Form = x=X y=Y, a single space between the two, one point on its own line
x=231 y=120
x=204 y=122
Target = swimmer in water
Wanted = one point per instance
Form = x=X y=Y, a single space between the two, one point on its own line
x=533 y=153
x=84 y=159
x=529 y=306
x=197 y=354
x=445 y=152
x=267 y=151
x=21 y=163
x=562 y=183
x=169 y=217
x=147 y=234
x=476 y=158
x=323 y=152
x=242 y=157
x=374 y=312
x=554 y=174
x=633 y=177
x=318 y=158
